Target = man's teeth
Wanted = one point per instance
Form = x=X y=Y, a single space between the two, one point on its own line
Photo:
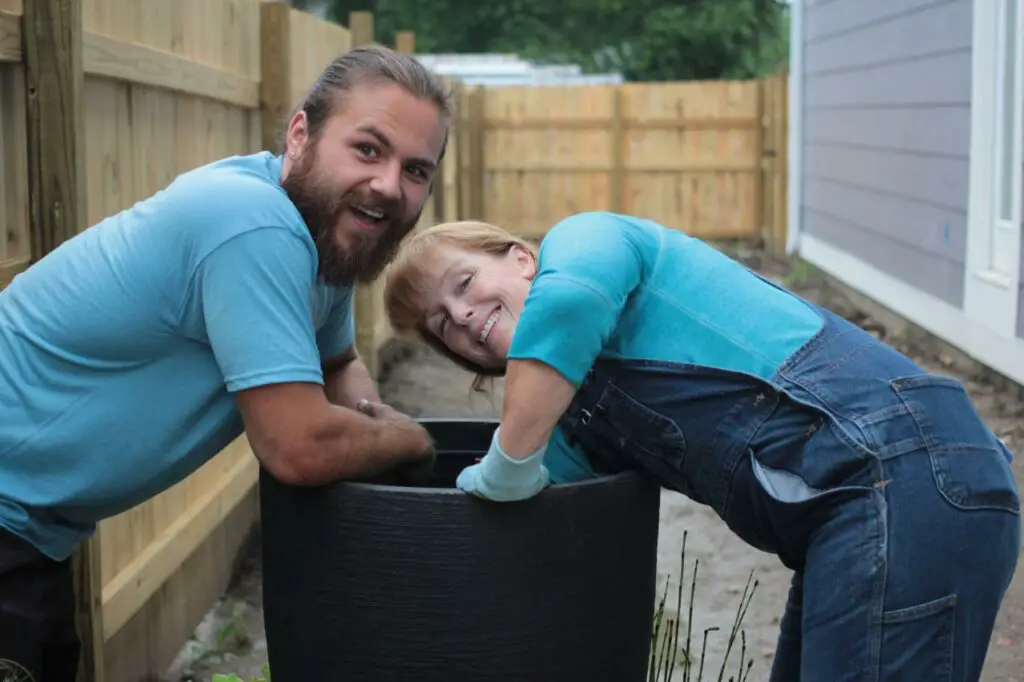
x=372 y=213
x=489 y=325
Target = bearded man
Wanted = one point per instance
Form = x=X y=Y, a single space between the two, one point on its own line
x=136 y=351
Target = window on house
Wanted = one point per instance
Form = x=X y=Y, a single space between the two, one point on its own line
x=1006 y=180
x=1009 y=112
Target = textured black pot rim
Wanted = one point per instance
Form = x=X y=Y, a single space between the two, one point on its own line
x=555 y=488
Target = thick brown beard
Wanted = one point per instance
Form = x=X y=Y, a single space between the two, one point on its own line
x=321 y=207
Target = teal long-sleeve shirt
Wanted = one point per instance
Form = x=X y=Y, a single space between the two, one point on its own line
x=616 y=286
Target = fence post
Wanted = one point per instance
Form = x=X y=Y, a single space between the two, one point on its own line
x=459 y=98
x=405 y=41
x=618 y=153
x=52 y=36
x=360 y=26
x=477 y=158
x=765 y=165
x=780 y=113
x=54 y=80
x=275 y=71
x=773 y=124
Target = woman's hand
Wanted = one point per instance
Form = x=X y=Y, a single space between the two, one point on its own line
x=535 y=397
x=500 y=478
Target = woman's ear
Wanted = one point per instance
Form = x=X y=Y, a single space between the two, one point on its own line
x=524 y=259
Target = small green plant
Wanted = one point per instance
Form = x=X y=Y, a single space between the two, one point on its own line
x=800 y=274
x=665 y=643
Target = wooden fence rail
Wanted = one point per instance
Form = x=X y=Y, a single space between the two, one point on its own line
x=697 y=156
x=104 y=102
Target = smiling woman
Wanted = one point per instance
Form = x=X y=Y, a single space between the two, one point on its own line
x=470 y=297
x=631 y=345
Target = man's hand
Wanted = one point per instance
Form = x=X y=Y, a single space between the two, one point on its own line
x=302 y=439
x=415 y=471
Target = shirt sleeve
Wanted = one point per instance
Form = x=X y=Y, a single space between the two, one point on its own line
x=566 y=463
x=589 y=265
x=339 y=331
x=254 y=294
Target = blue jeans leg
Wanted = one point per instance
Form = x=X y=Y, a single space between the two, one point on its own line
x=788 y=651
x=900 y=584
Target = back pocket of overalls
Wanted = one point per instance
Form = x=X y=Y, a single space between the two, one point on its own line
x=637 y=431
x=970 y=467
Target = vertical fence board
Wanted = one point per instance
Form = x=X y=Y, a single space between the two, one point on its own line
x=52 y=39
x=276 y=65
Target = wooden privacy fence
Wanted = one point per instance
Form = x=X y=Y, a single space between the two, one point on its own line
x=706 y=157
x=104 y=102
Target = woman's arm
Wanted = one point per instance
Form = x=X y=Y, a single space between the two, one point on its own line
x=513 y=469
x=589 y=265
x=536 y=395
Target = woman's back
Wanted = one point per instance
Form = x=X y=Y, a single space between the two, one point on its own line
x=640 y=290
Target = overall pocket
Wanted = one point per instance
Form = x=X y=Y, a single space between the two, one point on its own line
x=623 y=426
x=968 y=461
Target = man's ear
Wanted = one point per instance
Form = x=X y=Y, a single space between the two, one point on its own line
x=298 y=135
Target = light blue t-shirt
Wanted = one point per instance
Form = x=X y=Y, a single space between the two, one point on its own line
x=120 y=351
x=615 y=286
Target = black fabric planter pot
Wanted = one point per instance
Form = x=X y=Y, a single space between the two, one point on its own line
x=378 y=583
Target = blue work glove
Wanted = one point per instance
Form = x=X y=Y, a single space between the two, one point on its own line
x=500 y=478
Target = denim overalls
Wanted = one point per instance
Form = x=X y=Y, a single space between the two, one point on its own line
x=875 y=481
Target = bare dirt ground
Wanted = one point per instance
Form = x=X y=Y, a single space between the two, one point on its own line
x=422 y=384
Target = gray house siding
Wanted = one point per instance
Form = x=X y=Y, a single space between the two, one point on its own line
x=886 y=135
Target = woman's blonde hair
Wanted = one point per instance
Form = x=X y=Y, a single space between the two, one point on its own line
x=408 y=280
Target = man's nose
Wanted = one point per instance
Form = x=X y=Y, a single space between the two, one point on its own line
x=388 y=181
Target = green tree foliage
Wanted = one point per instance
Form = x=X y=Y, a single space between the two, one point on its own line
x=647 y=40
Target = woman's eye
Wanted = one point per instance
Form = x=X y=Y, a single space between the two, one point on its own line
x=465 y=282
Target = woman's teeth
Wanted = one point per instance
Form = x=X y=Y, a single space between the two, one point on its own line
x=489 y=325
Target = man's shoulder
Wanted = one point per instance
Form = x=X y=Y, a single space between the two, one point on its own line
x=229 y=197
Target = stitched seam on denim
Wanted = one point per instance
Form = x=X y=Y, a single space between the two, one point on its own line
x=727 y=470
x=926 y=609
x=881 y=582
x=882 y=415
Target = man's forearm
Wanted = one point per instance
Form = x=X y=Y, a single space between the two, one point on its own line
x=348 y=445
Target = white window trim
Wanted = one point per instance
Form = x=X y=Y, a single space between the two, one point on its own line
x=990 y=298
